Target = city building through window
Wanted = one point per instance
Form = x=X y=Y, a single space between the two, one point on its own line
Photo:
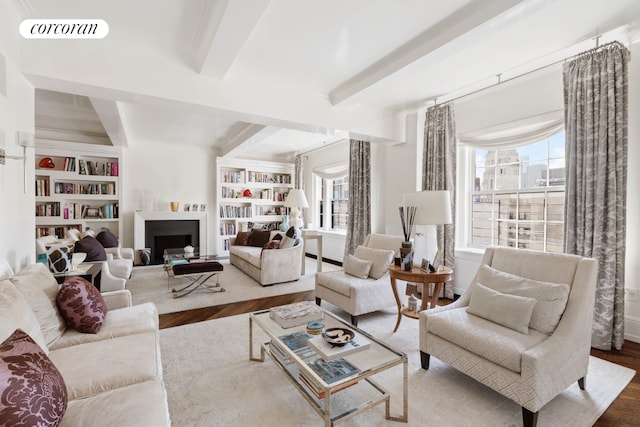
x=333 y=203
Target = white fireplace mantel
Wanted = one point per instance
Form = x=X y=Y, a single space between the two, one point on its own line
x=140 y=218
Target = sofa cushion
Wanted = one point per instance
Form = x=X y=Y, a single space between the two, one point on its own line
x=107 y=239
x=242 y=238
x=258 y=238
x=511 y=311
x=482 y=337
x=119 y=322
x=249 y=254
x=93 y=249
x=32 y=391
x=15 y=313
x=380 y=259
x=551 y=297
x=81 y=305
x=357 y=267
x=40 y=289
x=131 y=359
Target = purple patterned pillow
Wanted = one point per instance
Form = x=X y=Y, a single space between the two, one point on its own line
x=81 y=305
x=32 y=391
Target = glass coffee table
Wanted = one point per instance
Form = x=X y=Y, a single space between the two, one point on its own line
x=356 y=388
x=195 y=268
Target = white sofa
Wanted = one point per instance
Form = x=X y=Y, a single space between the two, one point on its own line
x=268 y=266
x=114 y=377
x=529 y=368
x=355 y=295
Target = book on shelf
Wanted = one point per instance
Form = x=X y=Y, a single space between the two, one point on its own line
x=317 y=391
x=331 y=352
x=331 y=371
x=299 y=313
x=298 y=342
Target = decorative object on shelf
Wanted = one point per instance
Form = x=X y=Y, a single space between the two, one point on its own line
x=203 y=207
x=438 y=261
x=46 y=163
x=247 y=193
x=194 y=207
x=188 y=249
x=315 y=328
x=338 y=336
x=412 y=303
x=284 y=225
x=187 y=207
x=431 y=208
x=175 y=206
x=406 y=255
x=296 y=200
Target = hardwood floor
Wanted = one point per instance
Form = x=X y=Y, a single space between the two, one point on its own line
x=623 y=412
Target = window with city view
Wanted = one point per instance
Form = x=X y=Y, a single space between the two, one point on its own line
x=518 y=196
x=335 y=194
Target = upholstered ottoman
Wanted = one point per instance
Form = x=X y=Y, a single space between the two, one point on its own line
x=198 y=274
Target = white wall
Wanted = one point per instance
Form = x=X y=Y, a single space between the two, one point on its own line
x=17 y=220
x=178 y=172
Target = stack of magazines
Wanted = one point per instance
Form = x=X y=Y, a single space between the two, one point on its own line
x=299 y=313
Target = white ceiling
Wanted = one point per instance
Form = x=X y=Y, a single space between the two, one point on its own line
x=366 y=58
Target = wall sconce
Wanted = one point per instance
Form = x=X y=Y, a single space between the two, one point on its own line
x=24 y=140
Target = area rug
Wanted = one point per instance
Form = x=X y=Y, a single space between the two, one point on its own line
x=150 y=284
x=211 y=382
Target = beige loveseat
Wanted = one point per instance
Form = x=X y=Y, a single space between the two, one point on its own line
x=357 y=295
x=114 y=377
x=268 y=266
x=551 y=350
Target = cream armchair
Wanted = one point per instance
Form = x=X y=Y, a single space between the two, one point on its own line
x=529 y=368
x=357 y=295
x=109 y=282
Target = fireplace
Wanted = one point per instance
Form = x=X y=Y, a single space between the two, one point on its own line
x=163 y=230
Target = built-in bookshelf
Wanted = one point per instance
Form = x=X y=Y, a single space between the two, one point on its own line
x=248 y=193
x=77 y=188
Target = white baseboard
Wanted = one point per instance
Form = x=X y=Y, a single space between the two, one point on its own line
x=632 y=328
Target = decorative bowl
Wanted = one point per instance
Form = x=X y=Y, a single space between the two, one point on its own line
x=338 y=336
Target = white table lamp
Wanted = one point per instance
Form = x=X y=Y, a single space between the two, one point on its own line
x=296 y=200
x=432 y=208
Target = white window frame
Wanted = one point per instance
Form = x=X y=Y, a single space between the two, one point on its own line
x=328 y=199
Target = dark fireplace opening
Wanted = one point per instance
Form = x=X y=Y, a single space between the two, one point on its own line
x=169 y=234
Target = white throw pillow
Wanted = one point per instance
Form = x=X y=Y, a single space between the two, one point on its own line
x=356 y=266
x=380 y=259
x=286 y=242
x=551 y=297
x=511 y=311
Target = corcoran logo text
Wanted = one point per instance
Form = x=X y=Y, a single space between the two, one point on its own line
x=64 y=29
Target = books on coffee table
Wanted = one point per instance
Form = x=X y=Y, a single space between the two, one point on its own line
x=331 y=352
x=299 y=313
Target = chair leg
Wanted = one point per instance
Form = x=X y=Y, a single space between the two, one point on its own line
x=529 y=419
x=582 y=383
x=318 y=301
x=424 y=360
x=354 y=320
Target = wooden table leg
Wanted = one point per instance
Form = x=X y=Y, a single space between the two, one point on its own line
x=425 y=296
x=395 y=294
x=437 y=287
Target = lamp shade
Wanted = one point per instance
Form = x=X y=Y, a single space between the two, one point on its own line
x=296 y=199
x=433 y=207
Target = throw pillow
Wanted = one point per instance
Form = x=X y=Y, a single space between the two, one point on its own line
x=32 y=391
x=277 y=237
x=94 y=250
x=258 y=238
x=551 y=297
x=511 y=311
x=380 y=259
x=107 y=239
x=274 y=244
x=242 y=239
x=81 y=305
x=356 y=266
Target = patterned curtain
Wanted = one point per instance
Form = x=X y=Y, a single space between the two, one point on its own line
x=359 y=222
x=596 y=106
x=298 y=171
x=439 y=172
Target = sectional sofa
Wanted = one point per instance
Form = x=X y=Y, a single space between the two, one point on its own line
x=112 y=377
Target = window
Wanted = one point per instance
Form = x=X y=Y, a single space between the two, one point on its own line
x=333 y=203
x=517 y=197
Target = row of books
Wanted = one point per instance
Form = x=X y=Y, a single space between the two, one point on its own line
x=267 y=177
x=54 y=231
x=227 y=229
x=69 y=164
x=235 y=212
x=233 y=177
x=42 y=187
x=75 y=188
x=82 y=211
x=96 y=168
x=48 y=209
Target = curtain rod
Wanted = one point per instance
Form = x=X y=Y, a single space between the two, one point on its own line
x=499 y=82
x=324 y=146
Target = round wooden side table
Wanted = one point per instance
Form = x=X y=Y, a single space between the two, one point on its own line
x=416 y=274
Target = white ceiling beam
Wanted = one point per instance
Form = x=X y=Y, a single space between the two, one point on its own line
x=113 y=118
x=245 y=138
x=221 y=29
x=460 y=22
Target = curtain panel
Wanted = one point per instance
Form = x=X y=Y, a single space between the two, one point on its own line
x=359 y=222
x=596 y=115
x=439 y=172
x=298 y=172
